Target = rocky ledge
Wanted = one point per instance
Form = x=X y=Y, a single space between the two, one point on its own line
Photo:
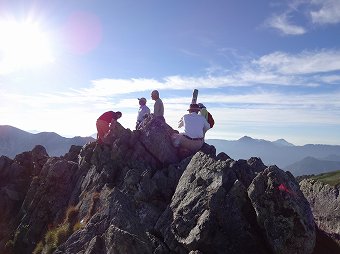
x=135 y=194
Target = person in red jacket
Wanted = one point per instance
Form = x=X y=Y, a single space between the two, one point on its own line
x=103 y=123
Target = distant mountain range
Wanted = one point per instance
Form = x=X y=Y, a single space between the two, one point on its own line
x=311 y=165
x=14 y=141
x=279 y=152
x=300 y=160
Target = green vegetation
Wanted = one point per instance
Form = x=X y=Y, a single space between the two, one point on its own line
x=39 y=248
x=19 y=231
x=331 y=178
x=59 y=234
x=54 y=237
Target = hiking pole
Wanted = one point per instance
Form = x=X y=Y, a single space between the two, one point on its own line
x=194 y=96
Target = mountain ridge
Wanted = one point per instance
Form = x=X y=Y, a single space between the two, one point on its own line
x=271 y=152
x=279 y=152
x=14 y=141
x=310 y=165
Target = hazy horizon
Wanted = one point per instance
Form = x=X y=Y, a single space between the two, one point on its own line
x=254 y=138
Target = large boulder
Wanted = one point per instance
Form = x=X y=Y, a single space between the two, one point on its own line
x=324 y=200
x=210 y=211
x=151 y=143
x=156 y=138
x=282 y=211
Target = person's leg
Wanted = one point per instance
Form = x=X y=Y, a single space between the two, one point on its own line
x=192 y=145
x=176 y=140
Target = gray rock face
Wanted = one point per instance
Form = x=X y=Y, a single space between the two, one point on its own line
x=134 y=195
x=156 y=138
x=116 y=228
x=150 y=144
x=45 y=203
x=282 y=212
x=15 y=178
x=325 y=204
x=210 y=211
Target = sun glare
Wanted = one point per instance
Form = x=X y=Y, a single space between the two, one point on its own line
x=22 y=46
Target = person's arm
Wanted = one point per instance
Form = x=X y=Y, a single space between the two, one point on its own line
x=181 y=123
x=139 y=115
x=147 y=111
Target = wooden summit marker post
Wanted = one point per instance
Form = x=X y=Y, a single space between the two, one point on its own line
x=194 y=96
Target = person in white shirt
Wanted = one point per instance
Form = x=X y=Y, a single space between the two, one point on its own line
x=142 y=111
x=195 y=126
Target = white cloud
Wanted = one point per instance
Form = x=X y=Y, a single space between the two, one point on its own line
x=248 y=101
x=330 y=79
x=328 y=11
x=68 y=114
x=278 y=68
x=304 y=63
x=318 y=11
x=282 y=23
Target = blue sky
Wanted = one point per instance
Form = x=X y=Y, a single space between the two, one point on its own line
x=266 y=69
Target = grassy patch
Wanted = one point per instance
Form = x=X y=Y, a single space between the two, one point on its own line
x=56 y=236
x=39 y=248
x=331 y=178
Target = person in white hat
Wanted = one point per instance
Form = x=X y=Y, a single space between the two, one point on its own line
x=142 y=111
x=195 y=126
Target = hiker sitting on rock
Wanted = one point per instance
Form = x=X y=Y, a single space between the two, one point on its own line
x=104 y=122
x=142 y=112
x=158 y=109
x=195 y=127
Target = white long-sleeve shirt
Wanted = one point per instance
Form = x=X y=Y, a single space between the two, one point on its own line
x=195 y=126
x=141 y=112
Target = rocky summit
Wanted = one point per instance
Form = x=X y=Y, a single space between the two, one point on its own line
x=136 y=194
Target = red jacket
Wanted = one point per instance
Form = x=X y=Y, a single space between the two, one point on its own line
x=108 y=116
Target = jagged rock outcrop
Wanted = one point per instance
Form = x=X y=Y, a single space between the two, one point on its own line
x=282 y=211
x=210 y=211
x=324 y=201
x=134 y=194
x=15 y=178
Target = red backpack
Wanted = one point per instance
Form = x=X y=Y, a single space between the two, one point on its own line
x=211 y=120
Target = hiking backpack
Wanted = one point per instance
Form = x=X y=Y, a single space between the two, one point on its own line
x=211 y=120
